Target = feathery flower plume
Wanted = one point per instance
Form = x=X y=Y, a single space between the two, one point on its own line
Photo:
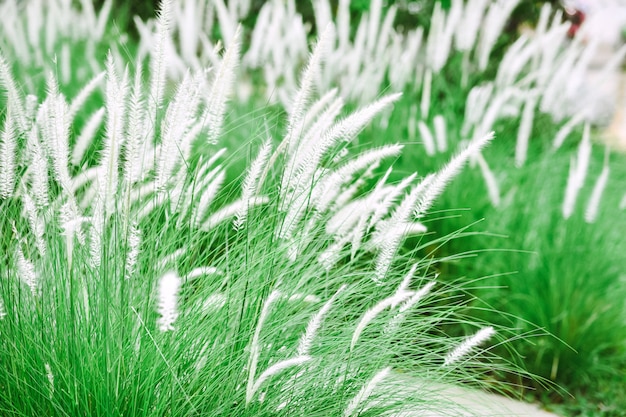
x=274 y=370
x=490 y=179
x=2 y=309
x=250 y=183
x=14 y=97
x=170 y=259
x=578 y=173
x=594 y=201
x=427 y=137
x=207 y=196
x=497 y=16
x=526 y=126
x=306 y=340
x=426 y=88
x=136 y=134
x=229 y=211
x=39 y=174
x=392 y=301
x=213 y=303
x=468 y=345
x=567 y=128
x=158 y=67
x=365 y=392
x=134 y=241
x=55 y=120
x=26 y=269
x=115 y=111
x=87 y=135
x=221 y=89
x=84 y=93
x=307 y=80
x=447 y=173
x=169 y=286
x=35 y=221
x=389 y=234
x=255 y=348
x=8 y=149
x=201 y=271
x=50 y=376
x=397 y=320
x=440 y=133
x=469 y=25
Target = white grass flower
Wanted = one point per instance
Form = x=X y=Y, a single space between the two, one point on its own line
x=567 y=128
x=447 y=173
x=35 y=221
x=525 y=129
x=56 y=122
x=304 y=346
x=392 y=301
x=115 y=111
x=302 y=97
x=8 y=155
x=136 y=133
x=170 y=259
x=468 y=345
x=308 y=298
x=471 y=20
x=250 y=182
x=134 y=242
x=158 y=67
x=427 y=138
x=255 y=348
x=229 y=210
x=365 y=392
x=274 y=370
x=207 y=197
x=221 y=88
x=594 y=201
x=440 y=133
x=495 y=19
x=84 y=93
x=490 y=179
x=39 y=172
x=426 y=87
x=178 y=122
x=3 y=312
x=50 y=376
x=71 y=222
x=213 y=303
x=578 y=173
x=13 y=96
x=27 y=272
x=201 y=271
x=87 y=135
x=419 y=295
x=169 y=286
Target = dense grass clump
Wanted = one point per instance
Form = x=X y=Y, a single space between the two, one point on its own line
x=134 y=285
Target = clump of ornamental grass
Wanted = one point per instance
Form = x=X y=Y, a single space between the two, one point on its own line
x=557 y=233
x=132 y=285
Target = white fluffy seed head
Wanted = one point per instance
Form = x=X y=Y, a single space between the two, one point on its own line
x=365 y=392
x=468 y=345
x=8 y=148
x=169 y=286
x=596 y=195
